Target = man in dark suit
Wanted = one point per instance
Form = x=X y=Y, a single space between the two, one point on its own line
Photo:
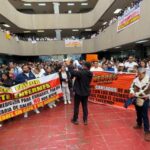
x=82 y=91
x=25 y=75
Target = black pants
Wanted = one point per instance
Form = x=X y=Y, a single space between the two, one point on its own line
x=142 y=115
x=84 y=101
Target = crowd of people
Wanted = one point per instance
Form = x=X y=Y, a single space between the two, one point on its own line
x=78 y=74
x=10 y=74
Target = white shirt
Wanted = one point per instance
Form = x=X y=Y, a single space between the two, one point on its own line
x=141 y=84
x=130 y=66
x=148 y=71
x=96 y=69
x=42 y=71
x=27 y=74
x=64 y=76
x=19 y=69
x=38 y=75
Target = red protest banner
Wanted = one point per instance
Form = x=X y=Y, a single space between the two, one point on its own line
x=29 y=95
x=110 y=88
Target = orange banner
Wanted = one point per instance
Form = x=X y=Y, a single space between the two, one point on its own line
x=109 y=88
x=91 y=57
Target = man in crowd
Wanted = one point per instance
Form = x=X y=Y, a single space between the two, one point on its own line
x=130 y=64
x=141 y=90
x=82 y=91
x=96 y=67
x=49 y=71
x=16 y=69
x=25 y=76
x=110 y=67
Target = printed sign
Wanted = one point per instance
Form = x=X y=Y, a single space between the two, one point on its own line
x=129 y=18
x=73 y=43
x=29 y=96
x=109 y=88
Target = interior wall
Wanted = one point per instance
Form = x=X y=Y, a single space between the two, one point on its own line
x=106 y=40
x=54 y=21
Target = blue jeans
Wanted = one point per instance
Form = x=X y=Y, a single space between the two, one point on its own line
x=142 y=115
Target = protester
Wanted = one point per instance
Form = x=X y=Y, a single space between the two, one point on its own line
x=130 y=64
x=96 y=67
x=121 y=68
x=82 y=91
x=6 y=81
x=49 y=71
x=104 y=66
x=65 y=84
x=15 y=69
x=25 y=76
x=37 y=72
x=110 y=68
x=141 y=90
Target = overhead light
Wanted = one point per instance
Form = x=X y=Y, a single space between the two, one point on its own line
x=117 y=47
x=75 y=30
x=104 y=23
x=70 y=4
x=69 y=11
x=27 y=4
x=84 y=4
x=42 y=4
x=142 y=41
x=117 y=11
x=88 y=29
x=40 y=31
x=26 y=31
x=6 y=25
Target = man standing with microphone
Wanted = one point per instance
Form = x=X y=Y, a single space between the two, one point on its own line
x=83 y=79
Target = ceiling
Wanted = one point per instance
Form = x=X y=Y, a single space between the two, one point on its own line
x=48 y=9
x=67 y=32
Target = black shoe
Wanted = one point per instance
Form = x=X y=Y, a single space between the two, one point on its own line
x=137 y=127
x=75 y=122
x=147 y=136
x=85 y=122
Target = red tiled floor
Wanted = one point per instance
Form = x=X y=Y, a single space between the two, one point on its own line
x=109 y=128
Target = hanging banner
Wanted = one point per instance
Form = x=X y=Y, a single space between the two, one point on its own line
x=109 y=88
x=73 y=43
x=130 y=17
x=29 y=96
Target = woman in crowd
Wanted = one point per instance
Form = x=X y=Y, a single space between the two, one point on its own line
x=143 y=64
x=6 y=81
x=65 y=83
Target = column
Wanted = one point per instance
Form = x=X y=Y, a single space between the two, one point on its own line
x=56 y=8
x=58 y=34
